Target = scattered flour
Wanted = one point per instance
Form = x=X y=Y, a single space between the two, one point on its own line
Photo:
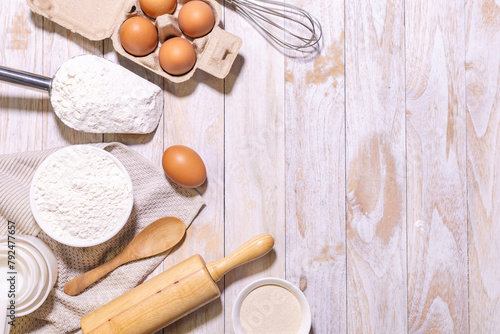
x=81 y=193
x=92 y=94
x=270 y=309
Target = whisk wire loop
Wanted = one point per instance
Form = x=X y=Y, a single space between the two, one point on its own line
x=299 y=29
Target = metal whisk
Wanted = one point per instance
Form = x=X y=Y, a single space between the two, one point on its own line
x=299 y=31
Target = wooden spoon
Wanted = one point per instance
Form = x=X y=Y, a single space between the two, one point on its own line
x=157 y=237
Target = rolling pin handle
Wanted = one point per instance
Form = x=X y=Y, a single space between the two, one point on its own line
x=252 y=249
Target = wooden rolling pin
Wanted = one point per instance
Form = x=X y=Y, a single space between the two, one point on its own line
x=171 y=295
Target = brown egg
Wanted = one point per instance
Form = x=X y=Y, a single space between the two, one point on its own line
x=155 y=8
x=184 y=166
x=177 y=56
x=196 y=18
x=138 y=36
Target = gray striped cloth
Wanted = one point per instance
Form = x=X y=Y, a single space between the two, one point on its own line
x=154 y=197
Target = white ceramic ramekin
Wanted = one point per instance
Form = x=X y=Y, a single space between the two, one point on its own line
x=305 y=326
x=47 y=229
x=29 y=274
x=39 y=271
x=48 y=269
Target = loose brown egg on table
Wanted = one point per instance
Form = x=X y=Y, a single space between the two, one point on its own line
x=196 y=18
x=138 y=36
x=155 y=8
x=184 y=166
x=177 y=56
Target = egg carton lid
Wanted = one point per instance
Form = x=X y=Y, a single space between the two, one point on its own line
x=93 y=19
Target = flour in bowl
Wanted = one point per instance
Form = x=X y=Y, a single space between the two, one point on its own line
x=81 y=194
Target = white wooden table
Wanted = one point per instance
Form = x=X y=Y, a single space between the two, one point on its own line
x=374 y=165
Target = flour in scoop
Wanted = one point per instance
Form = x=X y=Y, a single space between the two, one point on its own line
x=92 y=94
x=81 y=193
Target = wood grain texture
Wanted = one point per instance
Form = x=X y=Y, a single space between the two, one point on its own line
x=254 y=156
x=436 y=166
x=375 y=167
x=21 y=45
x=194 y=116
x=483 y=159
x=367 y=198
x=150 y=145
x=315 y=172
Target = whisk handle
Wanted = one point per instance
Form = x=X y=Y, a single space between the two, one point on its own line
x=25 y=79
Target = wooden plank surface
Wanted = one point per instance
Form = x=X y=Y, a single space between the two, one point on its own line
x=254 y=156
x=436 y=166
x=315 y=172
x=150 y=145
x=483 y=161
x=194 y=116
x=375 y=167
x=366 y=177
x=21 y=46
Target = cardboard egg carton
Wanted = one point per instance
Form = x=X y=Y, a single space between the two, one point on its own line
x=100 y=19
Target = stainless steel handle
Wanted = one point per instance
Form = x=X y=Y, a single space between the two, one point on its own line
x=25 y=79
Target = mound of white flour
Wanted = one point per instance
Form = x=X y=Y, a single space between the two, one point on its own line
x=92 y=94
x=81 y=193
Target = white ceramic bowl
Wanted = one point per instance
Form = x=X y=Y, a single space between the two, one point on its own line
x=305 y=326
x=48 y=255
x=24 y=278
x=36 y=265
x=47 y=229
x=44 y=283
x=40 y=273
x=28 y=274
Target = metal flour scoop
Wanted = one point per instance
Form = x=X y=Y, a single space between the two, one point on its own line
x=92 y=94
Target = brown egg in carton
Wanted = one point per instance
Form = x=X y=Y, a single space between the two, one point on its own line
x=100 y=19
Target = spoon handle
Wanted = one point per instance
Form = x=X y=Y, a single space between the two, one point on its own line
x=25 y=79
x=80 y=283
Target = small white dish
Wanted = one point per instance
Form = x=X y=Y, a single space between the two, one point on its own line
x=48 y=255
x=24 y=277
x=25 y=274
x=50 y=232
x=37 y=265
x=305 y=326
x=28 y=274
x=48 y=272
